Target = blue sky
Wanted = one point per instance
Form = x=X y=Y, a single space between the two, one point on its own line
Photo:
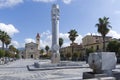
x=23 y=19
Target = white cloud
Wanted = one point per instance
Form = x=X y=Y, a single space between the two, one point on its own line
x=46 y=1
x=66 y=44
x=114 y=34
x=9 y=3
x=9 y=28
x=113 y=1
x=28 y=40
x=45 y=33
x=111 y=33
x=93 y=34
x=44 y=43
x=46 y=39
x=67 y=1
x=67 y=41
x=15 y=43
x=117 y=12
x=64 y=36
x=79 y=39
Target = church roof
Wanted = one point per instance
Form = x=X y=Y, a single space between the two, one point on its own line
x=31 y=43
x=38 y=35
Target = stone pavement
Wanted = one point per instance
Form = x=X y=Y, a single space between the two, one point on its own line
x=17 y=71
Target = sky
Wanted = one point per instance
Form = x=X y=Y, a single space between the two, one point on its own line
x=23 y=19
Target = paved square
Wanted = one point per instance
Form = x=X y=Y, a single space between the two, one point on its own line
x=17 y=71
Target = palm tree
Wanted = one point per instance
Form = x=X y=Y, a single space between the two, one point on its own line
x=103 y=28
x=72 y=36
x=3 y=37
x=7 y=41
x=47 y=48
x=60 y=42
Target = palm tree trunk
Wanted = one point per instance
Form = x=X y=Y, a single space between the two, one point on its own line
x=103 y=43
x=72 y=50
x=3 y=45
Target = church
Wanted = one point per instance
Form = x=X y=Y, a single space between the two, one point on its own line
x=32 y=50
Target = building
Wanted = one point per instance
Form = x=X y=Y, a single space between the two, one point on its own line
x=95 y=42
x=77 y=49
x=31 y=49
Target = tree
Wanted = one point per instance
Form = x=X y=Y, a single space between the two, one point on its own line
x=75 y=56
x=12 y=55
x=7 y=41
x=12 y=48
x=41 y=51
x=4 y=37
x=103 y=28
x=60 y=42
x=88 y=51
x=2 y=53
x=72 y=36
x=13 y=52
x=7 y=53
x=68 y=55
x=113 y=46
x=47 y=48
x=61 y=56
x=119 y=52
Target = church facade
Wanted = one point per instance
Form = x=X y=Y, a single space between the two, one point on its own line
x=32 y=50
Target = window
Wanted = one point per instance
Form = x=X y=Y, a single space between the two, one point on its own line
x=97 y=47
x=31 y=56
x=92 y=47
x=97 y=41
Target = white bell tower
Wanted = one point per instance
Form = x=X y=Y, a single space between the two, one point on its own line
x=38 y=40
